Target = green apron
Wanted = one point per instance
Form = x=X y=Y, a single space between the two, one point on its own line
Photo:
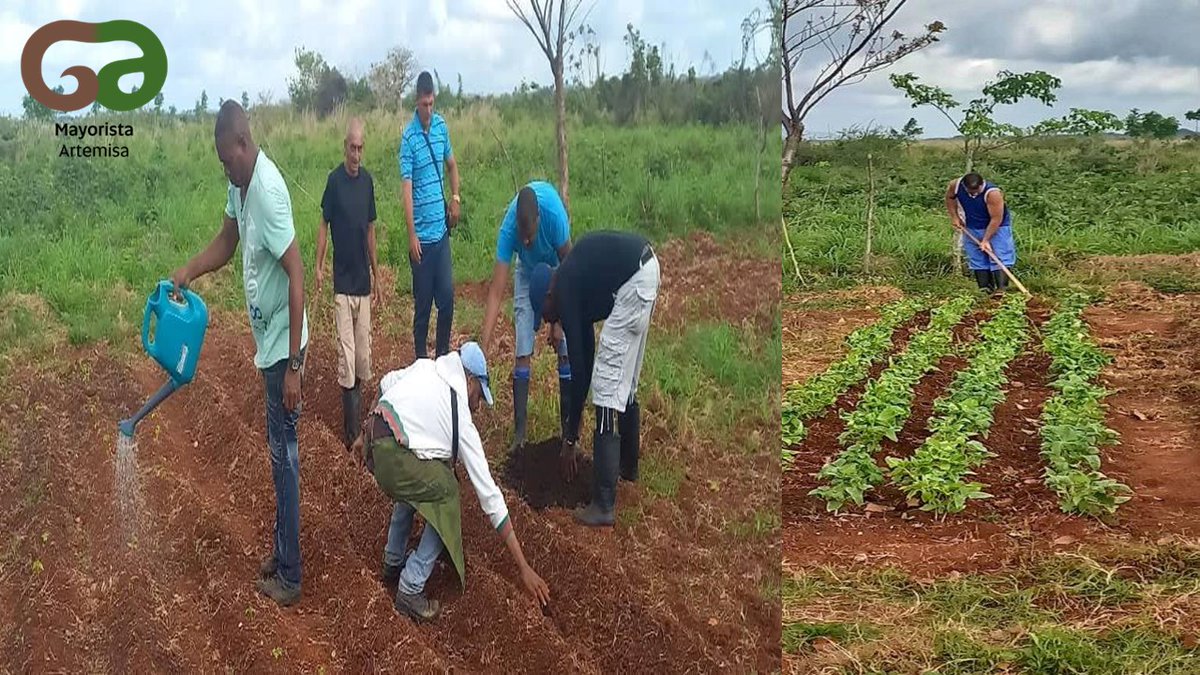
x=429 y=486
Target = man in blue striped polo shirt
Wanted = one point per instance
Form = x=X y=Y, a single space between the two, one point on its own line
x=424 y=151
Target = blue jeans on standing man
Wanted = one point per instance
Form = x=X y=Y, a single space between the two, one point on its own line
x=285 y=471
x=419 y=565
x=432 y=282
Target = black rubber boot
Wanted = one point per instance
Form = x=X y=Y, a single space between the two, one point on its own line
x=985 y=281
x=350 y=403
x=520 y=388
x=999 y=281
x=606 y=458
x=629 y=425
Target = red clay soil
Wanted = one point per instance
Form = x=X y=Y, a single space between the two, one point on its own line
x=533 y=472
x=1157 y=460
x=710 y=282
x=639 y=597
x=821 y=439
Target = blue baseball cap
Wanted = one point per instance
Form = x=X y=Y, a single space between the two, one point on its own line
x=539 y=283
x=475 y=364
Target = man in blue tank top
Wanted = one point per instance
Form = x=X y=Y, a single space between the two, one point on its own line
x=977 y=206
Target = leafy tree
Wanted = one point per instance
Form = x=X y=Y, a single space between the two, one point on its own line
x=331 y=92
x=358 y=92
x=977 y=125
x=311 y=73
x=202 y=103
x=390 y=79
x=1079 y=122
x=245 y=101
x=1194 y=116
x=158 y=102
x=34 y=110
x=1150 y=125
x=841 y=42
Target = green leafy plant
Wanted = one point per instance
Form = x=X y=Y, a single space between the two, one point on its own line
x=884 y=407
x=1073 y=427
x=866 y=347
x=935 y=475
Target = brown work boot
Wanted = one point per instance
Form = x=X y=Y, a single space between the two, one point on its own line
x=274 y=589
x=268 y=567
x=416 y=606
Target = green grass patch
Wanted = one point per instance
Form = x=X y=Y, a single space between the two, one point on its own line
x=78 y=228
x=660 y=476
x=761 y=523
x=713 y=378
x=1126 y=212
x=799 y=636
x=1116 y=610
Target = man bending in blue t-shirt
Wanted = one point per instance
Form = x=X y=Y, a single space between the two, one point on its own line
x=536 y=230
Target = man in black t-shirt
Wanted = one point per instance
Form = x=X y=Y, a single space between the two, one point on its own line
x=610 y=277
x=348 y=212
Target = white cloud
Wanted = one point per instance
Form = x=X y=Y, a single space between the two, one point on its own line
x=13 y=35
x=228 y=46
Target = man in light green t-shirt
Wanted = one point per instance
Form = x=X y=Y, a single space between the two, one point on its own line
x=258 y=213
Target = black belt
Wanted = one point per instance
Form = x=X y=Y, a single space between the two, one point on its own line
x=647 y=254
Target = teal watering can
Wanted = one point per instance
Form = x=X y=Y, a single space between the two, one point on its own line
x=175 y=344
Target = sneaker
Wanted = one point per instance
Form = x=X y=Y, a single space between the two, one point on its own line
x=416 y=606
x=274 y=589
x=268 y=567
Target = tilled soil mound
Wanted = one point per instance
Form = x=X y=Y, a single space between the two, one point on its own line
x=533 y=471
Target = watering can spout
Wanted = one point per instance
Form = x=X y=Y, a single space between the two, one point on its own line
x=161 y=395
x=180 y=323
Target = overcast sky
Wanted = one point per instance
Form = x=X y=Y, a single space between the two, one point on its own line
x=227 y=46
x=1110 y=55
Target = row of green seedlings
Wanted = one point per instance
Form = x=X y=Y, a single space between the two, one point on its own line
x=866 y=346
x=1073 y=428
x=884 y=407
x=935 y=476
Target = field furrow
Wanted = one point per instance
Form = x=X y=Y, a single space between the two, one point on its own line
x=934 y=475
x=884 y=408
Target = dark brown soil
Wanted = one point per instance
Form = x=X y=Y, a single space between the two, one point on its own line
x=533 y=472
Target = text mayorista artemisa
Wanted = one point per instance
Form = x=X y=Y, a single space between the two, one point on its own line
x=86 y=131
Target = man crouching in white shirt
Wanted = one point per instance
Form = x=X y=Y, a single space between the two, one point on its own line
x=411 y=444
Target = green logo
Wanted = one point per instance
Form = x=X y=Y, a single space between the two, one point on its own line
x=93 y=87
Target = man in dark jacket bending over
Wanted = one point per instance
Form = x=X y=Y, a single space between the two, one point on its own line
x=610 y=277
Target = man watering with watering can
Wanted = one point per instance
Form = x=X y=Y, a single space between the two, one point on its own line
x=258 y=213
x=411 y=444
x=977 y=208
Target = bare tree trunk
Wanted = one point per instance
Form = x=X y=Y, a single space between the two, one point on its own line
x=560 y=104
x=762 y=133
x=795 y=132
x=956 y=240
x=870 y=212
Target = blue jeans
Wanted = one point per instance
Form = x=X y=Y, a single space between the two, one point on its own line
x=525 y=323
x=285 y=471
x=420 y=564
x=432 y=281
